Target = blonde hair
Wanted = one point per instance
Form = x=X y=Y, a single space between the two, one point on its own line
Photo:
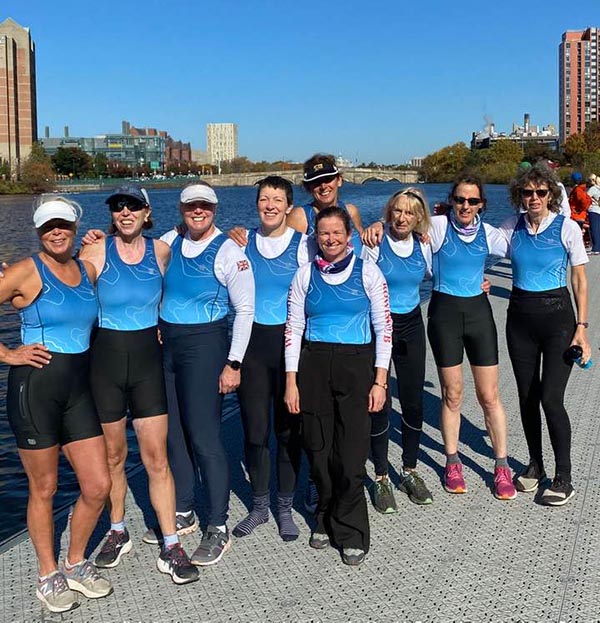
x=416 y=202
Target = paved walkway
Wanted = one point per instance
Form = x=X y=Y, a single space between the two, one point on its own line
x=464 y=558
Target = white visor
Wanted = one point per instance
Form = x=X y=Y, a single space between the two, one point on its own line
x=198 y=192
x=55 y=210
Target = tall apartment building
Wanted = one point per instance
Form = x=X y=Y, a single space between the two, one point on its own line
x=221 y=142
x=579 y=95
x=18 y=105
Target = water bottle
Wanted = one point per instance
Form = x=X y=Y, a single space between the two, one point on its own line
x=574 y=354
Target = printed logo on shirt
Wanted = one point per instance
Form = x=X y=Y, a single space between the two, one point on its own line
x=32 y=442
x=243 y=265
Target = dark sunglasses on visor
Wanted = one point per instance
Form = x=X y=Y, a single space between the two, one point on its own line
x=131 y=204
x=540 y=192
x=472 y=201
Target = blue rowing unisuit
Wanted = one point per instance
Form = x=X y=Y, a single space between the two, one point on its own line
x=129 y=294
x=539 y=261
x=62 y=316
x=272 y=277
x=338 y=313
x=403 y=275
x=311 y=216
x=192 y=294
x=458 y=265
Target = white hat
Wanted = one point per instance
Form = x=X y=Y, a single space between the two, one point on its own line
x=198 y=192
x=55 y=209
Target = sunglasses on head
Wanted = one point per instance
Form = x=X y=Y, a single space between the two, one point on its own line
x=131 y=204
x=472 y=201
x=540 y=192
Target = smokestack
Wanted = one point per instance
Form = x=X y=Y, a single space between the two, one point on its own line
x=526 y=122
x=47 y=131
x=125 y=127
x=66 y=131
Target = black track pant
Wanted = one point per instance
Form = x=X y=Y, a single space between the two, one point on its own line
x=262 y=387
x=539 y=328
x=334 y=381
x=408 y=355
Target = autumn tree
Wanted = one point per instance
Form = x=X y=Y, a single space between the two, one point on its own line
x=445 y=164
x=37 y=174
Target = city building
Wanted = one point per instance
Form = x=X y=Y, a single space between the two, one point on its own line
x=18 y=105
x=578 y=93
x=221 y=142
x=521 y=134
x=133 y=147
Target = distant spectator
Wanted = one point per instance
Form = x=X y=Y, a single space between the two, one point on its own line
x=579 y=200
x=594 y=213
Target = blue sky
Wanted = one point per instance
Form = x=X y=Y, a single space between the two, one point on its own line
x=382 y=81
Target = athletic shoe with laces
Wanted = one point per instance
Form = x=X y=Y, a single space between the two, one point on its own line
x=311 y=497
x=54 y=592
x=213 y=545
x=503 y=484
x=84 y=578
x=414 y=486
x=529 y=480
x=558 y=493
x=383 y=496
x=174 y=561
x=185 y=524
x=453 y=478
x=117 y=544
x=352 y=557
x=319 y=540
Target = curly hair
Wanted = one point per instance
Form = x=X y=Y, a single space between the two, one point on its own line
x=537 y=175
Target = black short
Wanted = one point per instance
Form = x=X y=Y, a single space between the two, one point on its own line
x=126 y=371
x=457 y=324
x=52 y=405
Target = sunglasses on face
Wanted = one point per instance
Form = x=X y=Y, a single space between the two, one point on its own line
x=529 y=192
x=130 y=204
x=472 y=201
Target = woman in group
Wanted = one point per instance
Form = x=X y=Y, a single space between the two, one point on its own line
x=126 y=373
x=334 y=380
x=205 y=274
x=275 y=252
x=460 y=319
x=49 y=404
x=404 y=261
x=594 y=213
x=541 y=324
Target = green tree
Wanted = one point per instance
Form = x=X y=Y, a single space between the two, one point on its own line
x=72 y=161
x=445 y=164
x=37 y=174
x=100 y=165
x=574 y=148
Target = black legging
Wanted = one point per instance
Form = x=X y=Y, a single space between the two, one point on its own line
x=539 y=328
x=263 y=385
x=408 y=355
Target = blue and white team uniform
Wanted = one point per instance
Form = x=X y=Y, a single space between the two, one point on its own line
x=311 y=216
x=53 y=405
x=204 y=280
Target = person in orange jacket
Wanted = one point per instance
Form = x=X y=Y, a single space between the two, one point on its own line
x=579 y=200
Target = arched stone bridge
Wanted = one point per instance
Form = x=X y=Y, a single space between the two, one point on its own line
x=356 y=176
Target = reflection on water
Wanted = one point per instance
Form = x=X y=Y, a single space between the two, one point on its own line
x=18 y=240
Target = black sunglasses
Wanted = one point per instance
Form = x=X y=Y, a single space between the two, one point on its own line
x=472 y=201
x=540 y=192
x=131 y=204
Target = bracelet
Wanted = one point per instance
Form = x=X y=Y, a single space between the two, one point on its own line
x=384 y=385
x=583 y=324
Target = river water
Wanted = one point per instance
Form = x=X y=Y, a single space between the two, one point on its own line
x=236 y=207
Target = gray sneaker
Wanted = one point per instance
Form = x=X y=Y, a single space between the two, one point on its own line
x=185 y=524
x=84 y=578
x=54 y=592
x=529 y=480
x=383 y=496
x=213 y=545
x=352 y=557
x=414 y=486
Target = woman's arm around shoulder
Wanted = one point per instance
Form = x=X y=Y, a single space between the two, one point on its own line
x=163 y=254
x=354 y=213
x=94 y=254
x=296 y=219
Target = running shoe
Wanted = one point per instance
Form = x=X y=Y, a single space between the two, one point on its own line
x=311 y=497
x=116 y=545
x=352 y=557
x=213 y=545
x=185 y=524
x=319 y=540
x=559 y=492
x=383 y=496
x=174 y=561
x=503 y=484
x=453 y=478
x=84 y=579
x=529 y=480
x=414 y=486
x=54 y=592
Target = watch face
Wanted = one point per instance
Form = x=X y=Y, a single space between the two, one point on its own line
x=234 y=365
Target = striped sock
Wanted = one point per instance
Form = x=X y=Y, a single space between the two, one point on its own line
x=288 y=530
x=257 y=516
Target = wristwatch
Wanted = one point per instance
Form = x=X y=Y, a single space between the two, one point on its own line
x=234 y=365
x=584 y=324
